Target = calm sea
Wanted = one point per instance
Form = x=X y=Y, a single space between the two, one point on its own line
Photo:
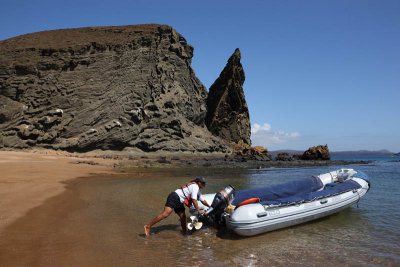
x=99 y=221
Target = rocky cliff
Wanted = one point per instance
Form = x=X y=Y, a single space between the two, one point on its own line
x=227 y=111
x=103 y=88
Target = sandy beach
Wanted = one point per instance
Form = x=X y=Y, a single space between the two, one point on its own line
x=27 y=179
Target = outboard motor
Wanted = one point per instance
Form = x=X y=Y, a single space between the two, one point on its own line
x=221 y=200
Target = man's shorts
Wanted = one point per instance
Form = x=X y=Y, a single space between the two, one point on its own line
x=174 y=203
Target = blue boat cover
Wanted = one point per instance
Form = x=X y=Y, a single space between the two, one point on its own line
x=328 y=191
x=294 y=192
x=274 y=192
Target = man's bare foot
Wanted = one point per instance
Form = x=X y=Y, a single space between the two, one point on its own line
x=147 y=230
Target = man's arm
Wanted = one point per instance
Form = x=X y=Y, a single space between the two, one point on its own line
x=205 y=203
x=196 y=205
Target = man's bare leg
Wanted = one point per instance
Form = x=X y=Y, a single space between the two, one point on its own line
x=182 y=217
x=167 y=211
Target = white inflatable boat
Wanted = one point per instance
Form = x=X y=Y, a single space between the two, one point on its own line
x=254 y=211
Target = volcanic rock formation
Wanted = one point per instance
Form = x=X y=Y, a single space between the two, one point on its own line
x=283 y=157
x=106 y=88
x=227 y=111
x=317 y=153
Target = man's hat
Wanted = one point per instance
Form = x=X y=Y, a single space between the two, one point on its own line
x=199 y=180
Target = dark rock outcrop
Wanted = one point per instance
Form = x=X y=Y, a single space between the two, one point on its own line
x=283 y=157
x=317 y=153
x=103 y=88
x=227 y=111
x=297 y=156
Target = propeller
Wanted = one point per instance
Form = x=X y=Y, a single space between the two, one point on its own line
x=194 y=223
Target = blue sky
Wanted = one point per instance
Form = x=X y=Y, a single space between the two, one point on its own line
x=317 y=72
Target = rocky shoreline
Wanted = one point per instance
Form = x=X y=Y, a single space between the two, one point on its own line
x=230 y=162
x=254 y=164
x=199 y=160
x=123 y=160
x=251 y=159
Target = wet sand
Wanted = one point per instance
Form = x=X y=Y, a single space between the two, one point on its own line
x=27 y=179
x=98 y=221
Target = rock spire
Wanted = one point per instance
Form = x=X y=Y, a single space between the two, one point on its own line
x=227 y=111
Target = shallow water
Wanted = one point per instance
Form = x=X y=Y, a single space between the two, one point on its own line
x=99 y=221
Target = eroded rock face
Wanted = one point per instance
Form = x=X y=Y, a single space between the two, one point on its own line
x=227 y=111
x=317 y=153
x=103 y=88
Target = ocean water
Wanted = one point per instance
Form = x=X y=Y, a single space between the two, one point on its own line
x=99 y=221
x=378 y=157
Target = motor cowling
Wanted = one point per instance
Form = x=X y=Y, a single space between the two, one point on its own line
x=221 y=200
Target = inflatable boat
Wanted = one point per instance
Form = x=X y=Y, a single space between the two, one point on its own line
x=254 y=211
